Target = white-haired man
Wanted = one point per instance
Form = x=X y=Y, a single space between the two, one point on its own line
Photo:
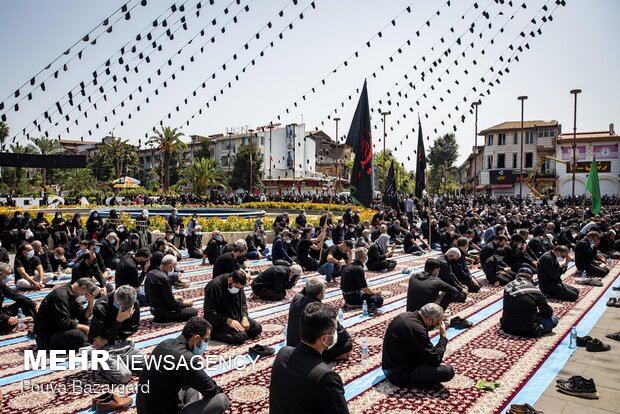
x=165 y=307
x=272 y=283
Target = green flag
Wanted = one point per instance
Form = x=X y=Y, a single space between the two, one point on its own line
x=594 y=189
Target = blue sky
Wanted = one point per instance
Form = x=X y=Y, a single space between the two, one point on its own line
x=578 y=49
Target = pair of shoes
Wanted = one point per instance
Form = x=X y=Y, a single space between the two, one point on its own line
x=615 y=288
x=181 y=285
x=109 y=402
x=613 y=303
x=578 y=386
x=261 y=351
x=588 y=281
x=614 y=336
x=459 y=323
x=582 y=341
x=523 y=409
x=375 y=311
x=596 y=345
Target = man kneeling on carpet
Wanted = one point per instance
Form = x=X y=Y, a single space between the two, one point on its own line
x=272 y=283
x=116 y=317
x=314 y=291
x=526 y=311
x=549 y=269
x=8 y=314
x=182 y=389
x=225 y=307
x=409 y=357
x=354 y=286
x=165 y=307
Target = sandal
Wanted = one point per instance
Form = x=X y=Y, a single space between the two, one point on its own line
x=612 y=302
x=614 y=336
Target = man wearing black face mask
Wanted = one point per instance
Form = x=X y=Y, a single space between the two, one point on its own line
x=131 y=270
x=225 y=307
x=300 y=381
x=409 y=357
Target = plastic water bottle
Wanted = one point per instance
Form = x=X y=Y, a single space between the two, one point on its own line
x=365 y=309
x=584 y=274
x=573 y=338
x=609 y=262
x=285 y=331
x=20 y=320
x=340 y=316
x=364 y=351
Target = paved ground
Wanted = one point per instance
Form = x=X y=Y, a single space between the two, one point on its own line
x=603 y=367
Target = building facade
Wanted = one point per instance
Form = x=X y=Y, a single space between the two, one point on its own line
x=502 y=162
x=467 y=175
x=599 y=145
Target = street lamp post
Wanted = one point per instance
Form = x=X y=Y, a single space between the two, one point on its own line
x=251 y=160
x=475 y=105
x=575 y=92
x=337 y=155
x=271 y=126
x=522 y=99
x=229 y=136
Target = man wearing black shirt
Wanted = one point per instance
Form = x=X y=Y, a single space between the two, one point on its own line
x=116 y=316
x=179 y=390
x=427 y=287
x=229 y=262
x=409 y=357
x=304 y=246
x=334 y=259
x=28 y=270
x=354 y=286
x=550 y=268
x=280 y=223
x=87 y=267
x=131 y=270
x=272 y=283
x=214 y=248
x=314 y=291
x=62 y=320
x=194 y=243
x=300 y=220
x=225 y=307
x=301 y=382
x=8 y=314
x=587 y=256
x=165 y=307
x=173 y=225
x=109 y=250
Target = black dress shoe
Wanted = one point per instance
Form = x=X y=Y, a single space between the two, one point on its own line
x=261 y=351
x=459 y=323
x=583 y=340
x=597 y=346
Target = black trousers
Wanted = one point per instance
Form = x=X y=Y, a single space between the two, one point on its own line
x=373 y=301
x=470 y=286
x=67 y=340
x=343 y=345
x=422 y=375
x=382 y=265
x=195 y=254
x=310 y=264
x=595 y=271
x=166 y=315
x=267 y=293
x=226 y=334
x=562 y=292
x=27 y=308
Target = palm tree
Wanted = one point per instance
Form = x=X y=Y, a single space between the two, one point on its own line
x=4 y=133
x=203 y=174
x=123 y=154
x=45 y=146
x=78 y=180
x=18 y=173
x=169 y=142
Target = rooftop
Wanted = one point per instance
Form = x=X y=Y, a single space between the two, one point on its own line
x=515 y=125
x=596 y=136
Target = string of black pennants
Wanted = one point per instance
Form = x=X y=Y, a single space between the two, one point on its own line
x=26 y=90
x=404 y=92
x=514 y=57
x=148 y=36
x=237 y=77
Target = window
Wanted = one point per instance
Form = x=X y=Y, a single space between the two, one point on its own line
x=490 y=140
x=244 y=141
x=545 y=167
x=489 y=162
x=501 y=139
x=529 y=160
x=514 y=160
x=262 y=140
x=501 y=160
x=224 y=161
x=515 y=139
x=529 y=137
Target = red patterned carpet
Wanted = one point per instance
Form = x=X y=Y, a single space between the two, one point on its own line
x=479 y=352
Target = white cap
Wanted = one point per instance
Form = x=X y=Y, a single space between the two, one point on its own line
x=145 y=213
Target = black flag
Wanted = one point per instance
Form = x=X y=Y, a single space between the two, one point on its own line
x=360 y=139
x=390 y=197
x=420 y=167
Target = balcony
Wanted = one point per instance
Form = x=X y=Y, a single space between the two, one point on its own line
x=545 y=144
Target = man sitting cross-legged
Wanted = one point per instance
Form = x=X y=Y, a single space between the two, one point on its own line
x=354 y=286
x=272 y=283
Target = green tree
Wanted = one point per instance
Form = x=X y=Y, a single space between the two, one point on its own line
x=204 y=148
x=241 y=173
x=169 y=142
x=77 y=181
x=441 y=158
x=203 y=174
x=114 y=159
x=404 y=178
x=4 y=133
x=15 y=177
x=45 y=146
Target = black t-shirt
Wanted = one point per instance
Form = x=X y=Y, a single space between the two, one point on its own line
x=352 y=278
x=335 y=252
x=303 y=248
x=29 y=265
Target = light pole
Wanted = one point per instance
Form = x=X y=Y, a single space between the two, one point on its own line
x=575 y=92
x=229 y=135
x=270 y=126
x=522 y=99
x=475 y=105
x=337 y=155
x=251 y=160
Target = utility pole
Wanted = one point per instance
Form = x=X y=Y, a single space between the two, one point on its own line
x=337 y=154
x=229 y=149
x=475 y=105
x=522 y=99
x=575 y=92
x=251 y=160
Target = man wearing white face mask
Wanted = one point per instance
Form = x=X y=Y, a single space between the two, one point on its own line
x=301 y=382
x=165 y=307
x=62 y=323
x=28 y=269
x=8 y=314
x=409 y=357
x=225 y=307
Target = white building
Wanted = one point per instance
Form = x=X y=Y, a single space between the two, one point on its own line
x=602 y=145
